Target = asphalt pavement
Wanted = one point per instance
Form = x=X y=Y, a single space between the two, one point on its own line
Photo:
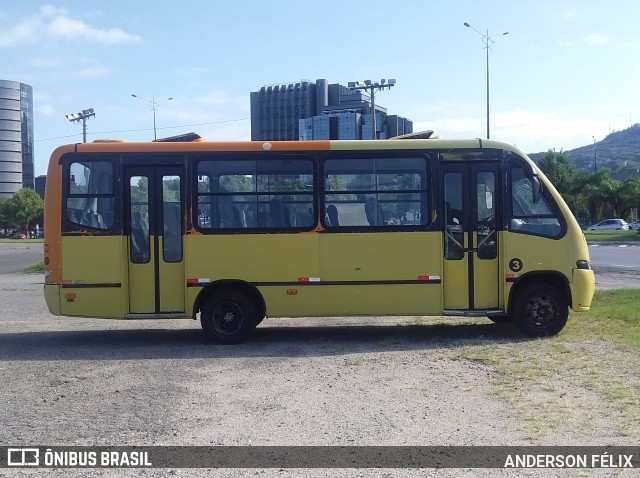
x=15 y=256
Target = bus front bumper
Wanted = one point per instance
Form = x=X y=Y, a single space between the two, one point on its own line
x=583 y=286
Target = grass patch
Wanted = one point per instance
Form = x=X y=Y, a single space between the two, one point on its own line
x=34 y=268
x=584 y=381
x=631 y=235
x=20 y=241
x=614 y=316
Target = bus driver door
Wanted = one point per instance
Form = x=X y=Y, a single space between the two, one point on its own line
x=471 y=266
x=155 y=218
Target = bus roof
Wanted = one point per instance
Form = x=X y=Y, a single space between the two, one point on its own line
x=200 y=145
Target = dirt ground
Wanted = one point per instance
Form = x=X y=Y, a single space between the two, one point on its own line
x=342 y=381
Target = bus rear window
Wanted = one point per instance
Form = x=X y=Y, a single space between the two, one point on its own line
x=90 y=199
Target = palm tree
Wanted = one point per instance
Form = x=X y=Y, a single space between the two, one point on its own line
x=601 y=196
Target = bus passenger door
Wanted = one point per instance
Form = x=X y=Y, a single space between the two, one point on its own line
x=155 y=235
x=470 y=270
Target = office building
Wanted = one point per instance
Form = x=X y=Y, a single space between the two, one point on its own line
x=308 y=110
x=16 y=137
x=41 y=185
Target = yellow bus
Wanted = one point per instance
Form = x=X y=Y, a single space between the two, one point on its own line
x=233 y=232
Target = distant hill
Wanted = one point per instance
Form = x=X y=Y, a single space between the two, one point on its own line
x=619 y=151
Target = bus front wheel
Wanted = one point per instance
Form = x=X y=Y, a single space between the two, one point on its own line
x=540 y=310
x=228 y=316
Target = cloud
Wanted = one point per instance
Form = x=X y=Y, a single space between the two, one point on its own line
x=66 y=69
x=596 y=39
x=47 y=109
x=52 y=23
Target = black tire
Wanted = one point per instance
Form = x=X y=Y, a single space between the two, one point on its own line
x=228 y=316
x=540 y=310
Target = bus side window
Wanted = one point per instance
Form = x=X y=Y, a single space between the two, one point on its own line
x=529 y=216
x=139 y=213
x=453 y=212
x=90 y=200
x=276 y=193
x=172 y=218
x=376 y=192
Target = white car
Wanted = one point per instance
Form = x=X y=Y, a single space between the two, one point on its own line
x=610 y=224
x=635 y=224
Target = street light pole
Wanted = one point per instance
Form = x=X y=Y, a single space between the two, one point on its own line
x=372 y=87
x=595 y=157
x=83 y=116
x=488 y=41
x=153 y=104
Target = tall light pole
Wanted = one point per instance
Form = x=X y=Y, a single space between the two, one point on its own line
x=83 y=116
x=595 y=157
x=153 y=104
x=372 y=87
x=488 y=40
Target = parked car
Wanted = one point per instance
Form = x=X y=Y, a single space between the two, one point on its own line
x=610 y=224
x=18 y=235
x=635 y=224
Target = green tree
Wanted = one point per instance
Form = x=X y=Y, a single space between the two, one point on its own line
x=26 y=208
x=566 y=177
x=6 y=216
x=560 y=169
x=601 y=195
x=629 y=195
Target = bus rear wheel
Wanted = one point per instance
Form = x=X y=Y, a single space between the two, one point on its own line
x=228 y=316
x=540 y=310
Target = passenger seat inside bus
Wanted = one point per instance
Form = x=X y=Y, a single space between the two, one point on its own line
x=91 y=217
x=332 y=216
x=95 y=220
x=239 y=217
x=230 y=216
x=279 y=214
x=374 y=212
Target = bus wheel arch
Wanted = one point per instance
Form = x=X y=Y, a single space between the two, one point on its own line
x=229 y=310
x=539 y=304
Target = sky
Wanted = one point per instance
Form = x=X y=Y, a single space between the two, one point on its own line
x=566 y=73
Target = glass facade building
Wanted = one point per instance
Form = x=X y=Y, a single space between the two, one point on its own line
x=16 y=137
x=309 y=110
x=276 y=109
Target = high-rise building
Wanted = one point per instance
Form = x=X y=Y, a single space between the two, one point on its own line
x=41 y=185
x=318 y=110
x=16 y=137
